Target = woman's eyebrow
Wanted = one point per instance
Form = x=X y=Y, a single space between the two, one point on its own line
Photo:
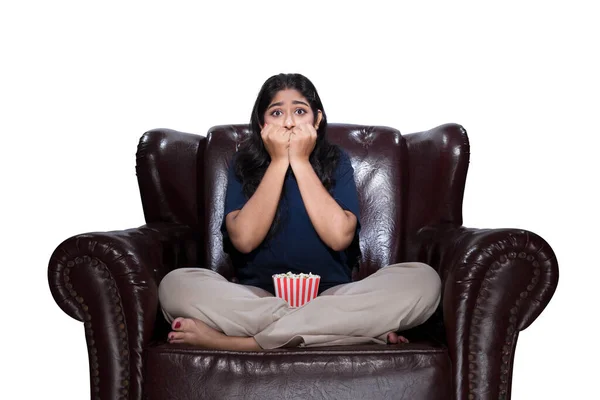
x=280 y=103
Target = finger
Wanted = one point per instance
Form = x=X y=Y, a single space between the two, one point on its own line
x=263 y=131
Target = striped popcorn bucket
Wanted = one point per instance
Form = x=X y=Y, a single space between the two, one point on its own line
x=296 y=291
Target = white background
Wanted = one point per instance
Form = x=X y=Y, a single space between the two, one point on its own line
x=81 y=82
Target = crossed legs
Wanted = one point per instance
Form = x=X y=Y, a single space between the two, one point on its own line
x=208 y=311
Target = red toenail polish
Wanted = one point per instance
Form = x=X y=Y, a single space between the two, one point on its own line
x=177 y=325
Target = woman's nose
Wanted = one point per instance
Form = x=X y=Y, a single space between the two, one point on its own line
x=289 y=122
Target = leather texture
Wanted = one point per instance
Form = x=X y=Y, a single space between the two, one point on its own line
x=338 y=372
x=496 y=282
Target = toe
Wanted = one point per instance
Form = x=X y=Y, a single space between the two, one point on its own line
x=177 y=324
x=187 y=325
x=392 y=338
x=174 y=336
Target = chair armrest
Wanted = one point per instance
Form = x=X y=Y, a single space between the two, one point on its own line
x=495 y=283
x=110 y=281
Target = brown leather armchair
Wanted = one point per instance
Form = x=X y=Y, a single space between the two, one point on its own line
x=495 y=281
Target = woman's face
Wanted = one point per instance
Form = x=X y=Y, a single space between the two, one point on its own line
x=289 y=108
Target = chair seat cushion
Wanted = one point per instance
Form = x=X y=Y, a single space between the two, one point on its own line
x=417 y=370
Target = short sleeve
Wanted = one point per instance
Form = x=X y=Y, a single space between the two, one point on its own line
x=234 y=196
x=344 y=190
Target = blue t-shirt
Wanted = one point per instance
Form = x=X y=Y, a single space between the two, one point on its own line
x=296 y=246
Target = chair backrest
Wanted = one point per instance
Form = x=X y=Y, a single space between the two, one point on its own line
x=379 y=158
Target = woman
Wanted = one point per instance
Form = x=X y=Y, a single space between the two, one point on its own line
x=292 y=205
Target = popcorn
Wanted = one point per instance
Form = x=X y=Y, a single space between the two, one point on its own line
x=296 y=289
x=292 y=275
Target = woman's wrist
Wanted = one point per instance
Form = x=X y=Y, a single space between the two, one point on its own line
x=280 y=164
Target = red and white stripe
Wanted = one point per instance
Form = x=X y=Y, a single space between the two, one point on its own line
x=297 y=291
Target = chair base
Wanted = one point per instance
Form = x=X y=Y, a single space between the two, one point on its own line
x=413 y=371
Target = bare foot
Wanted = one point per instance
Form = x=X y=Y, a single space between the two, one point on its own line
x=195 y=332
x=394 y=338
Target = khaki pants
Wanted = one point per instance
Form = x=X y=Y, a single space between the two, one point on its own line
x=394 y=298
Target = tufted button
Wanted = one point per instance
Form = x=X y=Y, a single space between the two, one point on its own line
x=94 y=262
x=536 y=272
x=523 y=295
x=512 y=255
x=530 y=258
x=70 y=264
x=522 y=255
x=503 y=259
x=78 y=260
x=535 y=264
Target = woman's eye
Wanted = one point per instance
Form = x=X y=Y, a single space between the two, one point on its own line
x=275 y=113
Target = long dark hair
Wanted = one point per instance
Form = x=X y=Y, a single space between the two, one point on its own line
x=253 y=159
